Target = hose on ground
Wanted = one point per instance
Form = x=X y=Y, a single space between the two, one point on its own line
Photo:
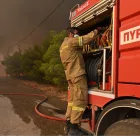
x=39 y=104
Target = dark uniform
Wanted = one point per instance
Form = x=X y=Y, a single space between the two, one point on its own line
x=71 y=53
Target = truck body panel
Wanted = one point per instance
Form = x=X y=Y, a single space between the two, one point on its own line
x=125 y=74
x=129 y=48
x=126 y=43
x=84 y=7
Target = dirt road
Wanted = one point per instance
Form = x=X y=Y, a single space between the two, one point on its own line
x=17 y=115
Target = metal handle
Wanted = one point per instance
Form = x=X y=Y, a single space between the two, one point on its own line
x=104 y=69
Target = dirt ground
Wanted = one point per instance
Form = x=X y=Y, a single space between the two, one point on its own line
x=47 y=89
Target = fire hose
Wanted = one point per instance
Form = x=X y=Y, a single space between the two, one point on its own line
x=39 y=104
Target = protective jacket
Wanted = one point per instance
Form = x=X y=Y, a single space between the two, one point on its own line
x=72 y=56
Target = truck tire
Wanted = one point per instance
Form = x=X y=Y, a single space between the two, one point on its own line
x=127 y=127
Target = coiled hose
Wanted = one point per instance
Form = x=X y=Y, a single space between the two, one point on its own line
x=92 y=66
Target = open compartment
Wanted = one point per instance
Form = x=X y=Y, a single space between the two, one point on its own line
x=98 y=53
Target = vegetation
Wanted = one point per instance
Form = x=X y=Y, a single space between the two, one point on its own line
x=40 y=63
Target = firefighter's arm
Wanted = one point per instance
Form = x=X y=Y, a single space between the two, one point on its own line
x=84 y=40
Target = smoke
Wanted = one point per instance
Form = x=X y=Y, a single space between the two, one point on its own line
x=19 y=17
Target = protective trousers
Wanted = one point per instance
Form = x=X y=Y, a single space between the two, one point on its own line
x=78 y=99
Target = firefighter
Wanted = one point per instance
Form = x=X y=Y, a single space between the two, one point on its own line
x=72 y=59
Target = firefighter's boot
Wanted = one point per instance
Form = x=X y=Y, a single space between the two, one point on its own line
x=67 y=127
x=76 y=131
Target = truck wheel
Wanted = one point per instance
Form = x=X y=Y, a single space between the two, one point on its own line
x=127 y=127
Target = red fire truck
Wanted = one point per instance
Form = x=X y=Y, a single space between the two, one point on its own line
x=112 y=64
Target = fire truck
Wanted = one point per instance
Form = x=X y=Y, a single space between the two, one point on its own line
x=112 y=64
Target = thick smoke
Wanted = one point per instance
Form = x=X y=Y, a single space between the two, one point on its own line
x=19 y=17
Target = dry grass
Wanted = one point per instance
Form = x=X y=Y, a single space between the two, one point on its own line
x=47 y=89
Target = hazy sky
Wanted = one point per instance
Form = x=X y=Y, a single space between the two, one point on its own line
x=19 y=17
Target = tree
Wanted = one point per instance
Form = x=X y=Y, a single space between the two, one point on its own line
x=53 y=68
x=13 y=64
x=32 y=61
x=39 y=62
